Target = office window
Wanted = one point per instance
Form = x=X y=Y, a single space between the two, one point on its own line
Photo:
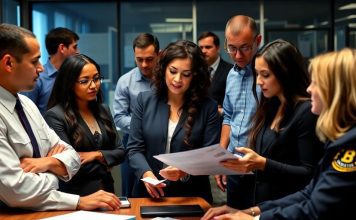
x=168 y=21
x=10 y=12
x=304 y=23
x=345 y=24
x=96 y=25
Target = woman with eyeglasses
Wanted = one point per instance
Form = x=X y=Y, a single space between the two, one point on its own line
x=77 y=114
x=177 y=116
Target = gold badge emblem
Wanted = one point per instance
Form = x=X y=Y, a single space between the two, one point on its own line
x=345 y=161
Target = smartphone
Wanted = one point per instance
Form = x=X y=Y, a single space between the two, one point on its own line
x=125 y=203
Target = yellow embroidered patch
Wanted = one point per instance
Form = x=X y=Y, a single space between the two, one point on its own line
x=345 y=161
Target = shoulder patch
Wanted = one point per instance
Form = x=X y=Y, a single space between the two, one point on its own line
x=345 y=160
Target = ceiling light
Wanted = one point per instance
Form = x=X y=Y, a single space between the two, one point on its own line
x=179 y=20
x=348 y=6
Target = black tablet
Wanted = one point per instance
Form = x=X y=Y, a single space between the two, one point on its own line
x=171 y=211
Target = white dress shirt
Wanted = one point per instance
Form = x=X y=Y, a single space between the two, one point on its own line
x=31 y=190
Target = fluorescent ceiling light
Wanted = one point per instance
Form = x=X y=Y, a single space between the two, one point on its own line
x=170 y=28
x=348 y=6
x=309 y=26
x=345 y=18
x=179 y=20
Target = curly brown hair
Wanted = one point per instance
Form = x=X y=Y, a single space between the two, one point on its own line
x=199 y=85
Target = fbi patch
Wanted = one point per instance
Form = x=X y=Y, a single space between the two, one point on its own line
x=345 y=161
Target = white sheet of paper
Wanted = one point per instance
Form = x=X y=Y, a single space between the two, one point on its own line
x=152 y=181
x=202 y=161
x=87 y=215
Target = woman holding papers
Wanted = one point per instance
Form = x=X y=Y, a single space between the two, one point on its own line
x=284 y=149
x=332 y=191
x=76 y=113
x=176 y=116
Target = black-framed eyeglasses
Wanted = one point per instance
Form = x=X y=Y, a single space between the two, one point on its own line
x=231 y=49
x=86 y=82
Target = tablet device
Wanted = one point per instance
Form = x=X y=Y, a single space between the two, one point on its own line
x=171 y=211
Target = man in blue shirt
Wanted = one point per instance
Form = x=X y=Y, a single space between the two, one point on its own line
x=146 y=49
x=242 y=41
x=60 y=44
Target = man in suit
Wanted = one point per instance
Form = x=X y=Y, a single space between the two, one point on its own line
x=209 y=43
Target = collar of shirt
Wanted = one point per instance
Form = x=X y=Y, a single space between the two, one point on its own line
x=247 y=70
x=215 y=64
x=50 y=69
x=7 y=99
x=139 y=77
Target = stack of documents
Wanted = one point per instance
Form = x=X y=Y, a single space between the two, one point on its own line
x=202 y=161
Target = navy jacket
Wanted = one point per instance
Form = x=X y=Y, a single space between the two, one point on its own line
x=148 y=137
x=332 y=191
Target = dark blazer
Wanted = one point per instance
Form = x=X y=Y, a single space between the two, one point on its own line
x=218 y=83
x=332 y=191
x=94 y=175
x=148 y=137
x=292 y=154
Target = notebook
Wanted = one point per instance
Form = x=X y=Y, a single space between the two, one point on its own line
x=171 y=211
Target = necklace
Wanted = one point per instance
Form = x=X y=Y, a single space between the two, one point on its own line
x=92 y=124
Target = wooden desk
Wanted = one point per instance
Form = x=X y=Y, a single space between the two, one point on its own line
x=19 y=214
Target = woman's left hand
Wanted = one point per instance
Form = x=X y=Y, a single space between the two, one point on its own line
x=172 y=173
x=249 y=162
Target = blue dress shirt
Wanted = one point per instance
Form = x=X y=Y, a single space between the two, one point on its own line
x=43 y=89
x=127 y=89
x=239 y=105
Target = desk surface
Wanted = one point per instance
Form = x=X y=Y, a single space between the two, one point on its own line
x=18 y=214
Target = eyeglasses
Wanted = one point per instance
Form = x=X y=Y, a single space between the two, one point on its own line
x=231 y=49
x=86 y=82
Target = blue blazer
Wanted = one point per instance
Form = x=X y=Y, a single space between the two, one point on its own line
x=148 y=137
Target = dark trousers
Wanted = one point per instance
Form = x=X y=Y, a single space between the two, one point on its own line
x=240 y=191
x=127 y=173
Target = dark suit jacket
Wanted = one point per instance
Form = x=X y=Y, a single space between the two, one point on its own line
x=292 y=154
x=94 y=175
x=148 y=137
x=218 y=83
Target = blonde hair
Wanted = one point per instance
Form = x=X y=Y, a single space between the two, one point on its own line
x=335 y=76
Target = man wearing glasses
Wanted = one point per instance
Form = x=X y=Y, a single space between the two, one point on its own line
x=242 y=41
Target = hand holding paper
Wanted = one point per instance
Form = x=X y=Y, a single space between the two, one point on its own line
x=202 y=161
x=249 y=162
x=153 y=185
